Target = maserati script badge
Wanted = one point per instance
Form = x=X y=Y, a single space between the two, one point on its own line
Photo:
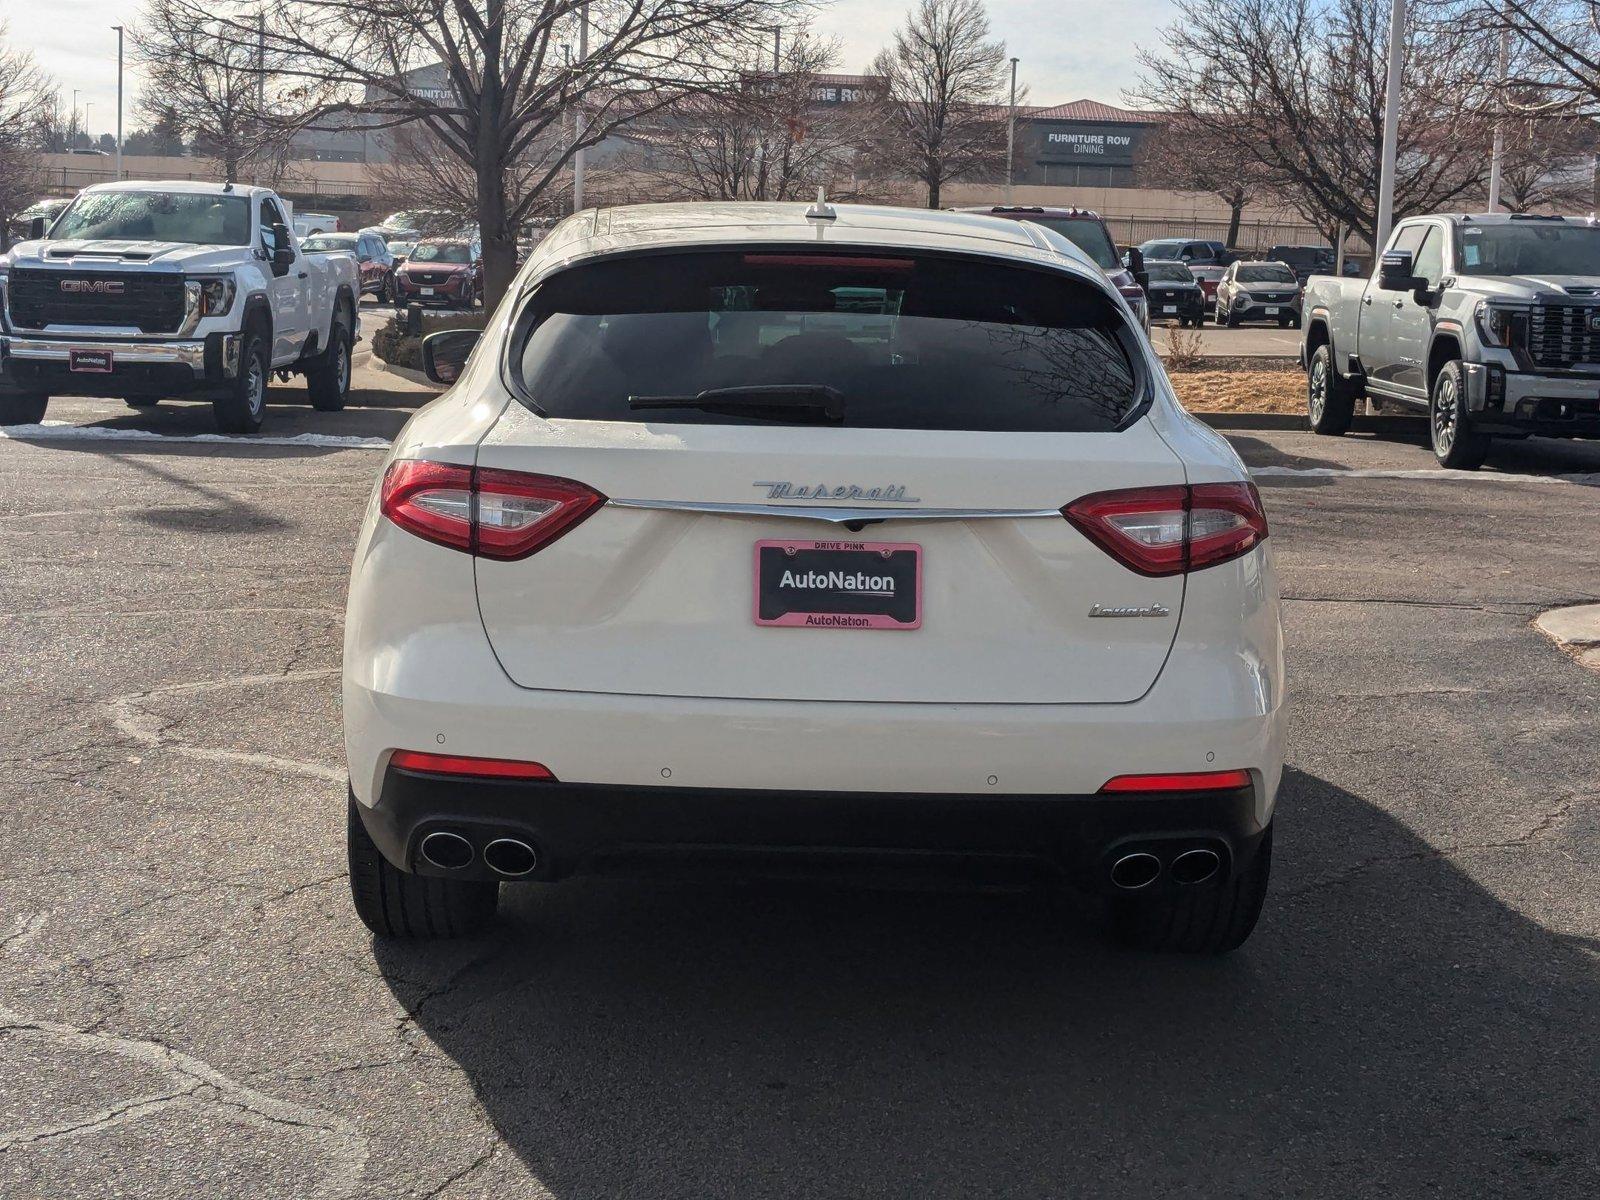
x=890 y=493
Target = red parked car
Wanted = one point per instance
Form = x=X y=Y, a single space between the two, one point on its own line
x=442 y=271
x=372 y=257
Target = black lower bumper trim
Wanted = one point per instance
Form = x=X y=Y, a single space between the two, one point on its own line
x=593 y=829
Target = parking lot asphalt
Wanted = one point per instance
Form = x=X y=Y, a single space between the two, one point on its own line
x=1244 y=341
x=188 y=1005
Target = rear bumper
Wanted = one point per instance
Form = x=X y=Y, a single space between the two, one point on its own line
x=163 y=368
x=595 y=829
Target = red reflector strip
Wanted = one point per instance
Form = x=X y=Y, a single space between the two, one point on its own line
x=1199 y=781
x=480 y=768
x=829 y=261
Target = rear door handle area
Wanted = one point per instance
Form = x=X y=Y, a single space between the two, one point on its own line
x=1367 y=300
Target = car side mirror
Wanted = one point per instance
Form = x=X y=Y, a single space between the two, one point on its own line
x=445 y=354
x=37 y=228
x=282 y=250
x=1136 y=267
x=1394 y=272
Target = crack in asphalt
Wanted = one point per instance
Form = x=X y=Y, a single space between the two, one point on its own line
x=189 y=1083
x=138 y=725
x=1539 y=831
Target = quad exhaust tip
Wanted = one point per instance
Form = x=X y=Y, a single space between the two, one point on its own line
x=510 y=857
x=447 y=851
x=1134 y=871
x=1195 y=866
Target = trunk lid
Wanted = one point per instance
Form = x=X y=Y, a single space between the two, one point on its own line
x=647 y=600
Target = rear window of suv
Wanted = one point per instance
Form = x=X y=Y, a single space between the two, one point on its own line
x=881 y=341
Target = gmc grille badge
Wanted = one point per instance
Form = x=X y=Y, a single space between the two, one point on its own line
x=99 y=287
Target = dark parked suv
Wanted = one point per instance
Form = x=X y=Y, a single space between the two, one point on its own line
x=1087 y=231
x=1174 y=292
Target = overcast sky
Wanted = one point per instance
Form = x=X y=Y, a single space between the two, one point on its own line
x=1068 y=50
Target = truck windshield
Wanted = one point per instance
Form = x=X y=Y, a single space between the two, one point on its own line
x=1534 y=248
x=194 y=218
x=1087 y=235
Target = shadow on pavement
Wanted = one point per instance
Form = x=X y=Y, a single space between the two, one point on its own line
x=1391 y=1030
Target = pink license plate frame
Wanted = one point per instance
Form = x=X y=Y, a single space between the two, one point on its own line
x=821 y=617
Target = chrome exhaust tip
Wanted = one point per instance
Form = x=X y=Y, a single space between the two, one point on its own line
x=447 y=851
x=1195 y=866
x=1134 y=871
x=510 y=857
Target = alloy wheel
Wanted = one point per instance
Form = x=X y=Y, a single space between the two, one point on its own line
x=1317 y=389
x=1445 y=417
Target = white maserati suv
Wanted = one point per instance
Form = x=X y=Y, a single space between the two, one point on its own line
x=851 y=539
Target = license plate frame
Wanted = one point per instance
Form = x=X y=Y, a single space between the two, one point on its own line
x=775 y=603
x=427 y=291
x=1169 y=308
x=1271 y=310
x=91 y=362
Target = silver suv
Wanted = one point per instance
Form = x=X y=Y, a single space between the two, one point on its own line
x=1259 y=291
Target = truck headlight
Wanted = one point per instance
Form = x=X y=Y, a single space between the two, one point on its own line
x=1502 y=326
x=215 y=296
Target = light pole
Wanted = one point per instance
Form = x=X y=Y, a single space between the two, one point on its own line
x=1498 y=154
x=117 y=166
x=72 y=127
x=1011 y=134
x=1391 y=125
x=578 y=157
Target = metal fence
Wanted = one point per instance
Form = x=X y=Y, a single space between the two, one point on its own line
x=1254 y=236
x=68 y=181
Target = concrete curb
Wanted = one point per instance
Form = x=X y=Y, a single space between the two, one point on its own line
x=377 y=364
x=1242 y=362
x=1297 y=421
x=1575 y=630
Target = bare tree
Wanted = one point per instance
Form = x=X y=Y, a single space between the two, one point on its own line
x=1188 y=157
x=27 y=100
x=489 y=78
x=1548 y=163
x=208 y=85
x=768 y=139
x=940 y=118
x=1298 y=87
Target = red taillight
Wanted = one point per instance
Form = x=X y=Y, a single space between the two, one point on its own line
x=1196 y=781
x=477 y=768
x=1169 y=530
x=490 y=513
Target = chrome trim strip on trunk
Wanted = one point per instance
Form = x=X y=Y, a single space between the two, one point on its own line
x=840 y=516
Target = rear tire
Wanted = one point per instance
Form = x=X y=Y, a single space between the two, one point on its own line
x=22 y=408
x=328 y=376
x=245 y=405
x=1197 y=920
x=141 y=401
x=1330 y=400
x=397 y=904
x=1455 y=445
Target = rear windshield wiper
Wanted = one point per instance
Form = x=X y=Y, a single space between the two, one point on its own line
x=825 y=402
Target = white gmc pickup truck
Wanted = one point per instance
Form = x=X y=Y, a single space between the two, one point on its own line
x=1489 y=323
x=146 y=290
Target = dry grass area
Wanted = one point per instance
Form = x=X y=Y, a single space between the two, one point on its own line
x=1273 y=390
